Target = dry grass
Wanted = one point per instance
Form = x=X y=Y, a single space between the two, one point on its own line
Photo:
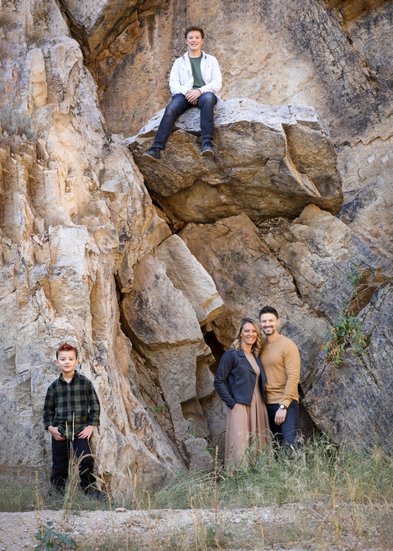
x=319 y=497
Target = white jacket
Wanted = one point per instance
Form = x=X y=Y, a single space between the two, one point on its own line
x=181 y=79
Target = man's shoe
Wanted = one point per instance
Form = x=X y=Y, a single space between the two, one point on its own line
x=207 y=150
x=153 y=153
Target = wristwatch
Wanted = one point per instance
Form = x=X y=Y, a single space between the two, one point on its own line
x=282 y=406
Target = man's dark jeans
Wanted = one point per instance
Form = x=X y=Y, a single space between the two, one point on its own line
x=61 y=454
x=176 y=107
x=289 y=430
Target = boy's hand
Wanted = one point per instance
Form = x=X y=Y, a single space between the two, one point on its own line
x=55 y=433
x=193 y=95
x=86 y=432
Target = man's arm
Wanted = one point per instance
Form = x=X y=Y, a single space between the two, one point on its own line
x=292 y=369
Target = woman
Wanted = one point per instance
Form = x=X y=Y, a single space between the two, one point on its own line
x=240 y=383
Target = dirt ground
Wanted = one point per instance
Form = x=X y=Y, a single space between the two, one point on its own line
x=290 y=527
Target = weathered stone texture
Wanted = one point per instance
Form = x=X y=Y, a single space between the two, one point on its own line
x=280 y=156
x=247 y=277
x=361 y=386
x=325 y=258
x=188 y=275
x=85 y=255
x=75 y=218
x=164 y=327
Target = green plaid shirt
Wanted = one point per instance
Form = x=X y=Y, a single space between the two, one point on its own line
x=71 y=406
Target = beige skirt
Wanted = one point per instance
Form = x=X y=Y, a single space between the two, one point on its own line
x=246 y=426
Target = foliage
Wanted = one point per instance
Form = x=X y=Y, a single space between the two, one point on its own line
x=314 y=471
x=347 y=336
x=51 y=539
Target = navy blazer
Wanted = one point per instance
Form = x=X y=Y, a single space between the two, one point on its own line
x=235 y=378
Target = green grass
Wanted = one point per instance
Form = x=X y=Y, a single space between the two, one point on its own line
x=317 y=471
x=24 y=489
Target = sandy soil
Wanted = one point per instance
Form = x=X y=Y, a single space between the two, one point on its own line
x=290 y=527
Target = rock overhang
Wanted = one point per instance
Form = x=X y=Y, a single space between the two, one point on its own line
x=270 y=161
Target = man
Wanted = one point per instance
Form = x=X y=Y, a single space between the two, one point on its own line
x=281 y=363
x=194 y=80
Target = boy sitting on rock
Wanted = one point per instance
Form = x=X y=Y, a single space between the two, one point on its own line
x=194 y=81
x=71 y=412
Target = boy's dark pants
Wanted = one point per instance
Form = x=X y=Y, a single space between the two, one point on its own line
x=61 y=454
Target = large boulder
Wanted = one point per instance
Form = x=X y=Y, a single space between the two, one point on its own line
x=248 y=276
x=327 y=260
x=188 y=275
x=352 y=402
x=164 y=327
x=270 y=161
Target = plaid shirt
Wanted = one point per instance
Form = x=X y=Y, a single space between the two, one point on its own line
x=71 y=406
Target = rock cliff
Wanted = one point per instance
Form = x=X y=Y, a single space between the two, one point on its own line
x=148 y=270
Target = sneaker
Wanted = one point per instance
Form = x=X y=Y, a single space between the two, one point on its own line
x=96 y=494
x=207 y=150
x=153 y=153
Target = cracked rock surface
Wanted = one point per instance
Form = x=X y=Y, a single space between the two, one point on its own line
x=269 y=161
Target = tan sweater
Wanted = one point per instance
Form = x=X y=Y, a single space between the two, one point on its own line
x=281 y=363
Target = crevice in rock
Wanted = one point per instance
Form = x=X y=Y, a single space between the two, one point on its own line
x=369 y=282
x=307 y=426
x=193 y=414
x=175 y=224
x=216 y=348
x=149 y=387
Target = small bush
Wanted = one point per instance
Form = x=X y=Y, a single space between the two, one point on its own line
x=50 y=539
x=347 y=336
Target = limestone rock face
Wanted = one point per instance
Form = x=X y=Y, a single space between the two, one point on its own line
x=369 y=215
x=360 y=388
x=86 y=256
x=164 y=326
x=122 y=41
x=326 y=258
x=75 y=219
x=269 y=162
x=248 y=277
x=187 y=274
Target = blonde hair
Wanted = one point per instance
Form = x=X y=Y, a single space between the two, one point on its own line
x=258 y=344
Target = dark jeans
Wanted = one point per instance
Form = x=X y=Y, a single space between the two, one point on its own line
x=289 y=430
x=176 y=107
x=61 y=454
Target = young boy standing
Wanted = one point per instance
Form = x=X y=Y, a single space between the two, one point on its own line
x=71 y=411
